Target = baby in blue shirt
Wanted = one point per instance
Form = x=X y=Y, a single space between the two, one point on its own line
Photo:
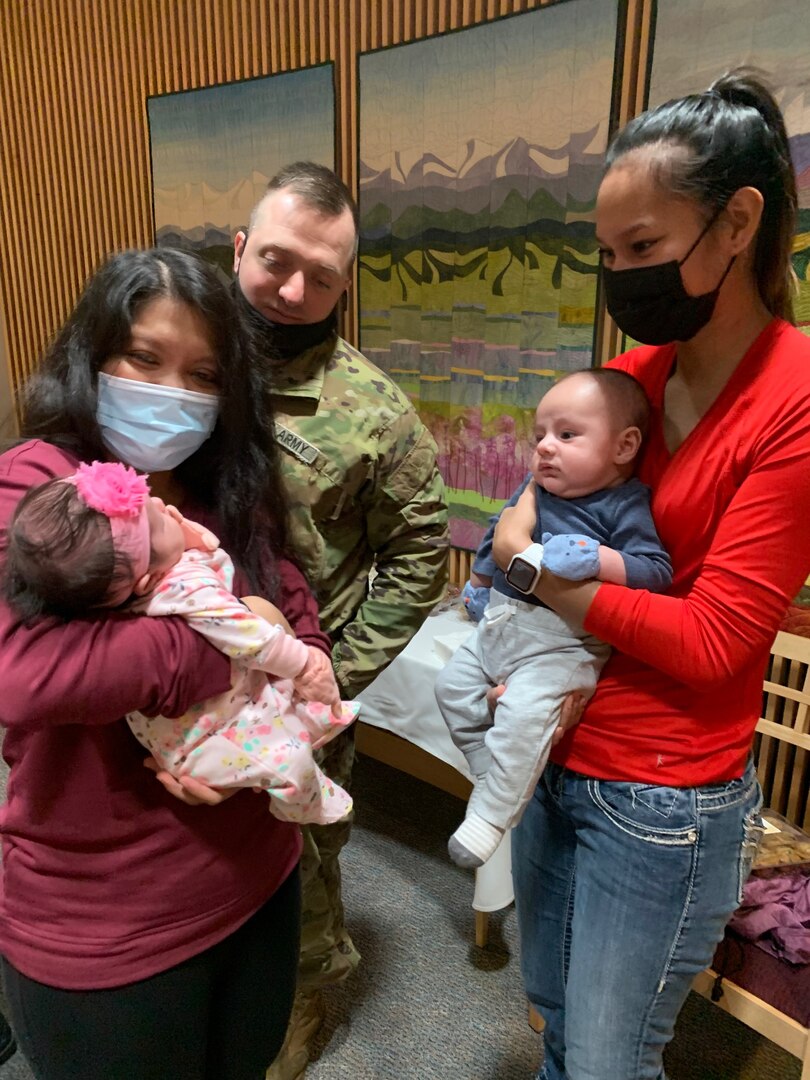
x=593 y=521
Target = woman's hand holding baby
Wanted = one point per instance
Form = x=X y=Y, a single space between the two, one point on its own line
x=571 y=710
x=187 y=789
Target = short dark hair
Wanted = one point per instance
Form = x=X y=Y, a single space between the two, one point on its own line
x=707 y=146
x=236 y=472
x=60 y=558
x=626 y=398
x=318 y=187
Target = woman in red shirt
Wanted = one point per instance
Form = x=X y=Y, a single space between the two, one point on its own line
x=633 y=852
x=143 y=937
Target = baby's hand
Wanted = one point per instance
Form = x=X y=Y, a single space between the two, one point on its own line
x=571 y=556
x=317 y=681
x=196 y=536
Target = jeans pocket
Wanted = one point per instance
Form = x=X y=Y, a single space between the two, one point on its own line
x=753 y=830
x=657 y=815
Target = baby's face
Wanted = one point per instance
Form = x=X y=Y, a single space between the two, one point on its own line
x=577 y=443
x=166 y=538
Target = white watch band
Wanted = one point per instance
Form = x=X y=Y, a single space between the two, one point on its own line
x=524 y=569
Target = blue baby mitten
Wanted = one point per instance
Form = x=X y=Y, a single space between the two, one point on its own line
x=571 y=556
x=475 y=600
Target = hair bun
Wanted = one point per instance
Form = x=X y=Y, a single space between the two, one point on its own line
x=747 y=87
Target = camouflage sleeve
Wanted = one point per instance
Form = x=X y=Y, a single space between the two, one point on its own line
x=406 y=523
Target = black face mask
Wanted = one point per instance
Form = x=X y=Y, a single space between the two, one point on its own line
x=281 y=342
x=650 y=304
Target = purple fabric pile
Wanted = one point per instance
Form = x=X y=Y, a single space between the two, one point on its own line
x=775 y=913
x=766 y=948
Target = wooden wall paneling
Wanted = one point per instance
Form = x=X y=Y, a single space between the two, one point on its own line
x=294 y=34
x=62 y=117
x=47 y=178
x=140 y=156
x=211 y=58
x=133 y=142
x=30 y=295
x=228 y=70
x=307 y=33
x=418 y=20
x=148 y=56
x=185 y=22
x=30 y=155
x=633 y=64
x=8 y=412
x=97 y=147
x=233 y=65
x=310 y=21
x=122 y=120
x=397 y=29
x=113 y=106
x=159 y=32
x=17 y=316
x=261 y=41
x=366 y=22
x=429 y=17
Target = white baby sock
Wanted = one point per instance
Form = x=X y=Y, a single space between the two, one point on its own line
x=474 y=841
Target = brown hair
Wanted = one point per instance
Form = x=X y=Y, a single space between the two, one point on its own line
x=60 y=558
x=626 y=398
x=318 y=187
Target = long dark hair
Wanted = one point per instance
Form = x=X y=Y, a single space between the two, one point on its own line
x=236 y=472
x=709 y=145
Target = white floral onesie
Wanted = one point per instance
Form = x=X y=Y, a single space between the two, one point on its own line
x=255 y=734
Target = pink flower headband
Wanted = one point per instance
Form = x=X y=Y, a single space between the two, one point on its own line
x=121 y=495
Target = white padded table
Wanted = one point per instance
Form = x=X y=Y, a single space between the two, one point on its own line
x=401 y=701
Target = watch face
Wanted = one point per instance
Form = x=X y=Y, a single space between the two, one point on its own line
x=521 y=574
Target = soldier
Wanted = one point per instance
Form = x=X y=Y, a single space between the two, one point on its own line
x=369 y=519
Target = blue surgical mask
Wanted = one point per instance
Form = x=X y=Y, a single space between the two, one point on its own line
x=151 y=427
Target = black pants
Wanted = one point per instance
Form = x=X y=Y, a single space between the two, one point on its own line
x=221 y=1015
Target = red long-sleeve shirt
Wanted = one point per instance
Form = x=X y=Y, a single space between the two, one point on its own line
x=678 y=700
x=108 y=879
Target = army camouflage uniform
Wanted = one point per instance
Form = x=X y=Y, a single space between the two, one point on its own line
x=365 y=493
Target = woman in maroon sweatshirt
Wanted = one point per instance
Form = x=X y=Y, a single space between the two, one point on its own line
x=142 y=934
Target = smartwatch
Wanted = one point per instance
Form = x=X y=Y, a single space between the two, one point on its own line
x=524 y=569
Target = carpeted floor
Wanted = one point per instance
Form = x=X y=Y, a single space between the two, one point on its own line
x=426 y=1004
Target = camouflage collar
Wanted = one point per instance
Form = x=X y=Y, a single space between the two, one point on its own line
x=304 y=375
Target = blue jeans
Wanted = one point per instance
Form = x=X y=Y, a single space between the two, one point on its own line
x=623 y=891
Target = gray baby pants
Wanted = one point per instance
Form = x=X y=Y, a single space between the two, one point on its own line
x=541 y=658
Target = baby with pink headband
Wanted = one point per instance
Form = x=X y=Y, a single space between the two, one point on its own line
x=98 y=539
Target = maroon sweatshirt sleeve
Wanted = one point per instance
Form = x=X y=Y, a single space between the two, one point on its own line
x=299 y=607
x=94 y=670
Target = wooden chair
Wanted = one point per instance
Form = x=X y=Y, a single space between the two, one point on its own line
x=782 y=754
x=460 y=566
